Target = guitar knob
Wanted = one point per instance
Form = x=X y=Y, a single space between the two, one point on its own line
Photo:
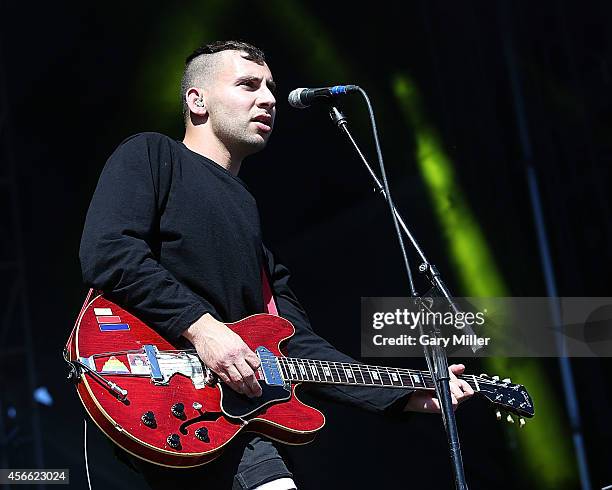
x=174 y=441
x=506 y=380
x=202 y=434
x=197 y=406
x=509 y=419
x=148 y=418
x=495 y=378
x=498 y=414
x=178 y=410
x=521 y=422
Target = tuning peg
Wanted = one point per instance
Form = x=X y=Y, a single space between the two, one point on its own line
x=509 y=419
x=521 y=422
x=506 y=380
x=495 y=378
x=498 y=414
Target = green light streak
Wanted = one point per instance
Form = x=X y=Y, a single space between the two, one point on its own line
x=313 y=45
x=544 y=445
x=188 y=27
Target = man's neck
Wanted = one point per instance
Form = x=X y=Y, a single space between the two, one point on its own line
x=214 y=151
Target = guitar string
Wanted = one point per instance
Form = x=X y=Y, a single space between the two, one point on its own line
x=360 y=369
x=338 y=366
x=288 y=377
x=356 y=366
x=405 y=371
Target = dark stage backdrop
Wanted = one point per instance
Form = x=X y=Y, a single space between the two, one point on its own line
x=79 y=78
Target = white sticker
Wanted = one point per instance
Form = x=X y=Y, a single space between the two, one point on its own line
x=103 y=311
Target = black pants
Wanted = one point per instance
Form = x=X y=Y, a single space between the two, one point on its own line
x=249 y=460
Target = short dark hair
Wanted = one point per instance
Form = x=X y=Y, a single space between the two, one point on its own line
x=253 y=53
x=196 y=65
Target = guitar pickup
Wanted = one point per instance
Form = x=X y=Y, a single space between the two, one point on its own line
x=151 y=353
x=269 y=367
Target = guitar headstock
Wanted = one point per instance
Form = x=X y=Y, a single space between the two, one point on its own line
x=506 y=396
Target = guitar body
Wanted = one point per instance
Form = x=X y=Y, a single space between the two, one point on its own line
x=156 y=400
x=113 y=342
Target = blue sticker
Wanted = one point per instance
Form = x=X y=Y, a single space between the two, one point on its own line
x=111 y=327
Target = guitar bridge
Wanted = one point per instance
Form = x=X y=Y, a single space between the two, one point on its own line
x=164 y=365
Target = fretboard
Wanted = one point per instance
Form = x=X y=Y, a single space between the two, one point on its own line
x=315 y=371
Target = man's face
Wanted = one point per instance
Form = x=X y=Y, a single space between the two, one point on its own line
x=241 y=104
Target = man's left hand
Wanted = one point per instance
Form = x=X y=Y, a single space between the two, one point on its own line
x=425 y=401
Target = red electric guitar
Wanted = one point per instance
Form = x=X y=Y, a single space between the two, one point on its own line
x=159 y=402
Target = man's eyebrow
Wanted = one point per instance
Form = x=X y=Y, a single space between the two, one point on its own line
x=247 y=78
x=251 y=78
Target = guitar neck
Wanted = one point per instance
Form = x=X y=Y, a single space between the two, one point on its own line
x=341 y=373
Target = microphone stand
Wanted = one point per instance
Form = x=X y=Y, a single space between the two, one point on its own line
x=435 y=356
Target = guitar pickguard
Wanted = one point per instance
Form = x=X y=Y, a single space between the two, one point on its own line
x=237 y=406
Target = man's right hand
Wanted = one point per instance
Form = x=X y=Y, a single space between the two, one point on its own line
x=226 y=354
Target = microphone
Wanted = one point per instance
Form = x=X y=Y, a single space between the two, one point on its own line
x=301 y=98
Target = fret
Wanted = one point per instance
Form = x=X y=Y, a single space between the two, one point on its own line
x=302 y=369
x=407 y=380
x=417 y=379
x=327 y=370
x=342 y=378
x=365 y=374
x=384 y=376
x=394 y=377
x=320 y=370
x=324 y=370
x=359 y=374
x=373 y=370
x=313 y=370
x=283 y=366
x=334 y=371
x=317 y=369
x=292 y=370
x=348 y=372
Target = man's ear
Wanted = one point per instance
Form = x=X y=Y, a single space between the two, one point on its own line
x=196 y=101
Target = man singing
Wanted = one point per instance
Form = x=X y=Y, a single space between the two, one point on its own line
x=173 y=235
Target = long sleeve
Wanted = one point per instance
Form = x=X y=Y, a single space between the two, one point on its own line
x=307 y=344
x=120 y=246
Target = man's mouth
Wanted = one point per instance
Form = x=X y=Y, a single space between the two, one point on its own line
x=264 y=122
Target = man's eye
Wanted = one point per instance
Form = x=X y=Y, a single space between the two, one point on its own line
x=248 y=83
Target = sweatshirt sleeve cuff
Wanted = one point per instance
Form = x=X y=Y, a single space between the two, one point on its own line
x=186 y=319
x=395 y=408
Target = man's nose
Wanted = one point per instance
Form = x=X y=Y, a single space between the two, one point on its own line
x=266 y=99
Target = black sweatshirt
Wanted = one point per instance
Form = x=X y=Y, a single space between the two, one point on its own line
x=170 y=235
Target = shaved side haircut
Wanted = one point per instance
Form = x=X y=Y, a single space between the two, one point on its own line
x=200 y=66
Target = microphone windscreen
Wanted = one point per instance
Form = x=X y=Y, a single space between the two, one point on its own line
x=295 y=100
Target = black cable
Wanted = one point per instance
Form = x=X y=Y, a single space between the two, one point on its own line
x=388 y=192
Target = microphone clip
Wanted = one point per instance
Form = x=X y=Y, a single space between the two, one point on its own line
x=336 y=116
